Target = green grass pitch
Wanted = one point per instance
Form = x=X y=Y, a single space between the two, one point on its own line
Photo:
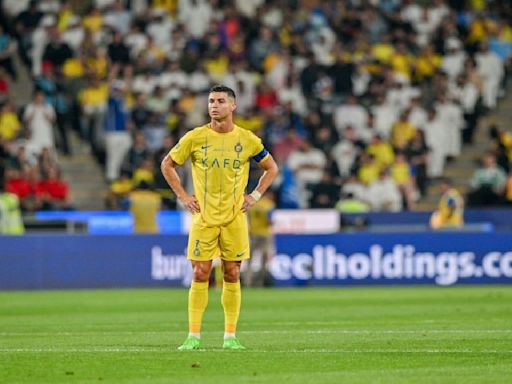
x=308 y=335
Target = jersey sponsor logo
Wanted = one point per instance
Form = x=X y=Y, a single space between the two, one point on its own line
x=225 y=162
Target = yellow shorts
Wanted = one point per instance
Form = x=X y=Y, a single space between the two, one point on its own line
x=229 y=242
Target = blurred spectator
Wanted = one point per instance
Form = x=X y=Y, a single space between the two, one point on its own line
x=435 y=140
x=144 y=205
x=307 y=164
x=487 y=184
x=351 y=114
x=450 y=212
x=118 y=191
x=10 y=125
x=351 y=204
x=346 y=151
x=53 y=191
x=417 y=155
x=11 y=222
x=383 y=194
x=117 y=135
x=7 y=48
x=255 y=273
x=40 y=117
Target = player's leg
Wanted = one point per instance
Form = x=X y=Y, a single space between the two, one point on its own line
x=231 y=301
x=234 y=246
x=202 y=248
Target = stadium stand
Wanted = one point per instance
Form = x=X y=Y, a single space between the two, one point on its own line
x=369 y=99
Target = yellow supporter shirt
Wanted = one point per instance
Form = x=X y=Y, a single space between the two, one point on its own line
x=73 y=68
x=93 y=23
x=383 y=52
x=382 y=152
x=9 y=126
x=259 y=218
x=144 y=206
x=94 y=95
x=451 y=208
x=401 y=173
x=368 y=173
x=427 y=65
x=401 y=133
x=220 y=169
x=99 y=66
x=142 y=174
x=121 y=187
x=401 y=64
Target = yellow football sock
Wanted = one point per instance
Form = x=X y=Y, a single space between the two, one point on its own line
x=197 y=302
x=231 y=299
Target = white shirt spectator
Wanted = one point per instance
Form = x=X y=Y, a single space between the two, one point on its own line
x=102 y=4
x=195 y=17
x=39 y=119
x=385 y=116
x=466 y=94
x=412 y=13
x=418 y=117
x=450 y=116
x=356 y=188
x=15 y=7
x=175 y=78
x=199 y=81
x=490 y=67
x=273 y=17
x=308 y=166
x=74 y=36
x=136 y=42
x=160 y=30
x=248 y=8
x=400 y=96
x=118 y=18
x=344 y=153
x=384 y=195
x=350 y=115
x=294 y=96
x=435 y=138
x=453 y=62
x=144 y=83
x=323 y=45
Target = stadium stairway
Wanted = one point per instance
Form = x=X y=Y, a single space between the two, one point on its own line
x=87 y=185
x=84 y=175
x=462 y=168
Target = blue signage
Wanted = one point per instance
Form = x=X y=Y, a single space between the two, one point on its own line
x=104 y=261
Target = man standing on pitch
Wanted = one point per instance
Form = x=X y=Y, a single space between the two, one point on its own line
x=220 y=153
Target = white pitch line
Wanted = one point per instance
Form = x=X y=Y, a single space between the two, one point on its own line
x=164 y=350
x=272 y=331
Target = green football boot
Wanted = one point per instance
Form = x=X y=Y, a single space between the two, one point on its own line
x=233 y=344
x=191 y=343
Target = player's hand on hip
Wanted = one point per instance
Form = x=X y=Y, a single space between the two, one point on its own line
x=191 y=204
x=249 y=201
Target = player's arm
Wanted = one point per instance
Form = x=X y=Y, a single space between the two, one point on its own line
x=168 y=167
x=271 y=170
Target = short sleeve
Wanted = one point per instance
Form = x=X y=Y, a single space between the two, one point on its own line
x=182 y=150
x=259 y=152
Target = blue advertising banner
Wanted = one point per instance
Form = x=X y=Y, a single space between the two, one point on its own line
x=105 y=261
x=424 y=258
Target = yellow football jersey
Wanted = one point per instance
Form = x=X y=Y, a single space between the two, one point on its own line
x=220 y=168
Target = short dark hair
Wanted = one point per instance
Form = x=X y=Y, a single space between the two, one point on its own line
x=223 y=88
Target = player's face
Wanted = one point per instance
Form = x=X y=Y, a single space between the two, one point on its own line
x=220 y=105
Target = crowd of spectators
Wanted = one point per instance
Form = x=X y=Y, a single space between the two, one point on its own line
x=363 y=100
